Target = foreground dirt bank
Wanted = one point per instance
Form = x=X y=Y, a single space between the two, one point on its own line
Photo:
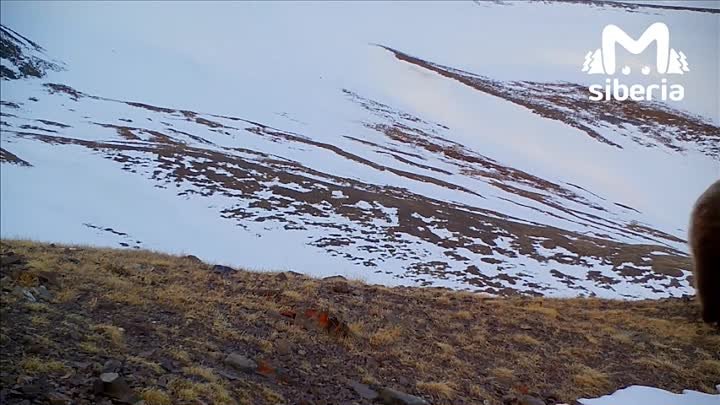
x=84 y=325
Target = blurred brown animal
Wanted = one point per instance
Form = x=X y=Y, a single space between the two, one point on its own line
x=705 y=250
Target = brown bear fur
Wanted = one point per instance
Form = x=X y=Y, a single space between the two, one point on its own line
x=705 y=251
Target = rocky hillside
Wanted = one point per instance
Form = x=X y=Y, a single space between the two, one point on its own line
x=94 y=326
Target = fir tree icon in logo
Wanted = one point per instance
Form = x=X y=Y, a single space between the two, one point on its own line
x=603 y=60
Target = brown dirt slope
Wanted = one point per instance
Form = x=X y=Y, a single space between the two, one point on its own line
x=166 y=326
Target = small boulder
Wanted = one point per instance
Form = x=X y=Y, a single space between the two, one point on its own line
x=24 y=293
x=112 y=366
x=33 y=390
x=171 y=366
x=222 y=270
x=241 y=363
x=281 y=277
x=10 y=259
x=228 y=374
x=112 y=385
x=42 y=293
x=48 y=278
x=334 y=278
x=389 y=396
x=57 y=398
x=530 y=400
x=193 y=259
x=165 y=380
x=363 y=390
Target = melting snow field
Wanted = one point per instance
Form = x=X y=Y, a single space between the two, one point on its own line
x=350 y=140
x=639 y=395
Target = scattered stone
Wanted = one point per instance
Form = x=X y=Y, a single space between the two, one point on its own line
x=389 y=396
x=73 y=260
x=551 y=398
x=56 y=398
x=165 y=379
x=7 y=379
x=170 y=366
x=282 y=346
x=334 y=278
x=24 y=293
x=5 y=281
x=33 y=390
x=10 y=259
x=241 y=363
x=48 y=278
x=402 y=381
x=109 y=377
x=82 y=365
x=522 y=400
x=24 y=380
x=42 y=293
x=194 y=259
x=112 y=366
x=36 y=348
x=530 y=400
x=222 y=270
x=227 y=374
x=114 y=386
x=364 y=390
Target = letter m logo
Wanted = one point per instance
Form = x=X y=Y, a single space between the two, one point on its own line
x=603 y=60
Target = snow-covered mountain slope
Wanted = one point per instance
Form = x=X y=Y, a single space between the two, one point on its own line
x=21 y=57
x=457 y=179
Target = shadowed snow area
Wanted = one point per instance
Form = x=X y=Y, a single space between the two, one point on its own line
x=291 y=137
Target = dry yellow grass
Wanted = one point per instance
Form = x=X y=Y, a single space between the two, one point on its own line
x=448 y=346
x=36 y=307
x=180 y=355
x=39 y=320
x=386 y=336
x=153 y=396
x=89 y=347
x=463 y=315
x=36 y=365
x=206 y=373
x=502 y=373
x=539 y=308
x=524 y=339
x=437 y=389
x=146 y=363
x=113 y=333
x=591 y=380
